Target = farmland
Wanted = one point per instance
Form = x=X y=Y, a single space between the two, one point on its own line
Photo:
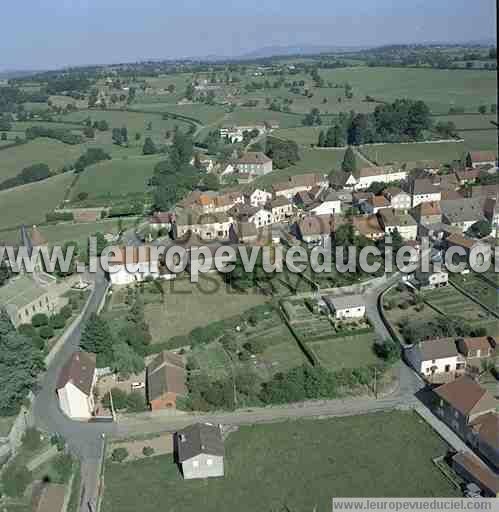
x=28 y=204
x=116 y=178
x=340 y=456
x=51 y=152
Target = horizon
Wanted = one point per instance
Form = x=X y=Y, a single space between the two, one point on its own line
x=84 y=33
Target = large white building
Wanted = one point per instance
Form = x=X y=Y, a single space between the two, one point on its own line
x=330 y=204
x=75 y=386
x=425 y=190
x=211 y=226
x=365 y=177
x=259 y=197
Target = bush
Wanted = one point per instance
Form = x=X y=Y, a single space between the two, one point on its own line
x=46 y=332
x=59 y=217
x=66 y=312
x=119 y=455
x=147 y=451
x=27 y=330
x=32 y=439
x=59 y=441
x=39 y=320
x=135 y=402
x=119 y=399
x=38 y=342
x=57 y=321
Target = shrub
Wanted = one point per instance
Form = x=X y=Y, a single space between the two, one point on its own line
x=119 y=399
x=39 y=320
x=57 y=321
x=119 y=455
x=59 y=441
x=147 y=451
x=38 y=342
x=32 y=439
x=46 y=332
x=27 y=330
x=135 y=402
x=66 y=312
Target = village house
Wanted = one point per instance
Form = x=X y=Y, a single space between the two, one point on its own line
x=491 y=213
x=437 y=360
x=330 y=204
x=467 y=176
x=304 y=200
x=482 y=158
x=299 y=183
x=347 y=307
x=485 y=437
x=162 y=220
x=199 y=451
x=469 y=467
x=431 y=280
x=368 y=226
x=259 y=197
x=365 y=177
x=243 y=233
x=23 y=297
x=399 y=199
x=134 y=264
x=462 y=213
x=395 y=220
x=281 y=209
x=212 y=226
x=425 y=190
x=374 y=204
x=316 y=230
x=469 y=244
x=75 y=386
x=482 y=191
x=429 y=166
x=461 y=402
x=166 y=380
x=236 y=133
x=253 y=164
x=476 y=348
x=428 y=213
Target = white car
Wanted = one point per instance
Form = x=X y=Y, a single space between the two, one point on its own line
x=137 y=385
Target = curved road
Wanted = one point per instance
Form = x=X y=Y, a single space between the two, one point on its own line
x=86 y=440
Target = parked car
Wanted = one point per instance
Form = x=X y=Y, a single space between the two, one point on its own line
x=137 y=385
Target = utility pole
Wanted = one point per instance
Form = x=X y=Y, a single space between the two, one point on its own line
x=375 y=384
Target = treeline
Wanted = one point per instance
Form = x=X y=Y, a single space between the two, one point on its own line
x=30 y=174
x=60 y=134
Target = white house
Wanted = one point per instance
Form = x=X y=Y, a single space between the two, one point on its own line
x=259 y=197
x=299 y=183
x=200 y=451
x=431 y=280
x=330 y=205
x=425 y=190
x=75 y=386
x=395 y=220
x=365 y=177
x=212 y=226
x=133 y=264
x=281 y=209
x=262 y=217
x=436 y=359
x=348 y=307
x=399 y=200
x=254 y=164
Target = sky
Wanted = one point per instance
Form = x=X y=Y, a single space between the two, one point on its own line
x=45 y=34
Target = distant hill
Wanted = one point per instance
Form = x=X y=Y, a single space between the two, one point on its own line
x=12 y=73
x=276 y=51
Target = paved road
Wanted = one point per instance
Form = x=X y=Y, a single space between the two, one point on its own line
x=84 y=439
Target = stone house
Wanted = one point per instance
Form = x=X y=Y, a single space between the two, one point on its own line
x=166 y=380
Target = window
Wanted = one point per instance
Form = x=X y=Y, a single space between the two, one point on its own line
x=195 y=464
x=209 y=462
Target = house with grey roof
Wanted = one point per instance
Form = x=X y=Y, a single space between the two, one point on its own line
x=462 y=213
x=199 y=451
x=347 y=307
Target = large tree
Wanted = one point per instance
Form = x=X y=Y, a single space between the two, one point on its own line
x=98 y=339
x=349 y=162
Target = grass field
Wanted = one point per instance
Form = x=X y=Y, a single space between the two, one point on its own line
x=242 y=116
x=28 y=204
x=389 y=153
x=189 y=305
x=48 y=151
x=440 y=89
x=479 y=288
x=297 y=466
x=205 y=114
x=468 y=121
x=348 y=352
x=305 y=135
x=117 y=177
x=480 y=140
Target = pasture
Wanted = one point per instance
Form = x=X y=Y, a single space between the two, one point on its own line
x=442 y=152
x=28 y=204
x=316 y=460
x=116 y=178
x=48 y=151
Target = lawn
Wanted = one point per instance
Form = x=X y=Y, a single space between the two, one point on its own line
x=117 y=177
x=189 y=305
x=245 y=116
x=297 y=466
x=389 y=153
x=205 y=114
x=5 y=425
x=478 y=140
x=348 y=352
x=468 y=121
x=28 y=204
x=304 y=136
x=48 y=151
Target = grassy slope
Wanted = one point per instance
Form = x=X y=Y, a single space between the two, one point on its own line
x=298 y=465
x=117 y=177
x=29 y=203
